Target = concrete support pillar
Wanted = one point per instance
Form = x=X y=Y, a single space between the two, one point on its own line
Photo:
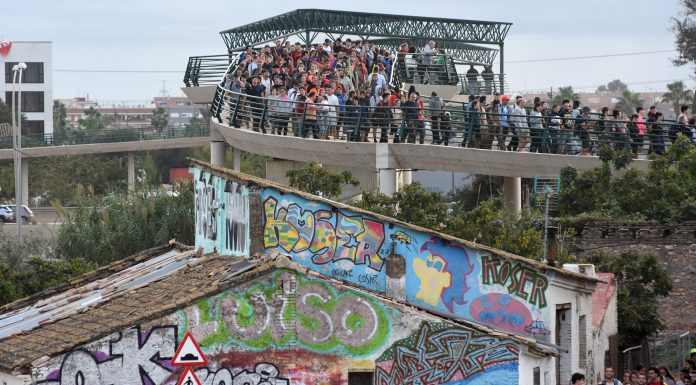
x=513 y=193
x=131 y=171
x=406 y=177
x=237 y=159
x=217 y=147
x=217 y=153
x=25 y=181
x=387 y=181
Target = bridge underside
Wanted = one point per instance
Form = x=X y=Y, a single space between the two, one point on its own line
x=407 y=156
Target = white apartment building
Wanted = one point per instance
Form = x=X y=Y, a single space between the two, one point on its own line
x=37 y=83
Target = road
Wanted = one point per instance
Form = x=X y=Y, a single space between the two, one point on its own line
x=46 y=224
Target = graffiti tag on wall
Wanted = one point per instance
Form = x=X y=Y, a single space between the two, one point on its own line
x=440 y=354
x=263 y=374
x=222 y=215
x=134 y=358
x=517 y=278
x=343 y=244
x=291 y=310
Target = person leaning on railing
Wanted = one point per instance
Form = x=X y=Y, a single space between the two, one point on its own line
x=495 y=126
x=521 y=124
x=536 y=128
x=472 y=137
x=434 y=106
x=381 y=119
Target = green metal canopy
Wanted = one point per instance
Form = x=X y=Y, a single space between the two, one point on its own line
x=459 y=37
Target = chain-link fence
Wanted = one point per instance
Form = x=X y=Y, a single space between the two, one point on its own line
x=671 y=350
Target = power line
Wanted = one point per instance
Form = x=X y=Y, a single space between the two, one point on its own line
x=590 y=57
x=118 y=71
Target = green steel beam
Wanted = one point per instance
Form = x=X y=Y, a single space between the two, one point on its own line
x=462 y=52
x=366 y=24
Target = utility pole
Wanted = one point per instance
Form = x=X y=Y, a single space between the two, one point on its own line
x=17 y=142
x=547 y=195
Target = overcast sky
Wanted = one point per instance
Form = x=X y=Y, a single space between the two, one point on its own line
x=157 y=35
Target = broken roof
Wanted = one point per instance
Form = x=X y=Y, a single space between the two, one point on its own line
x=250 y=180
x=147 y=285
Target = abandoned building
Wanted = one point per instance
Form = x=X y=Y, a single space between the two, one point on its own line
x=283 y=287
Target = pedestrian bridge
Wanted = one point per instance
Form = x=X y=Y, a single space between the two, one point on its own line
x=396 y=138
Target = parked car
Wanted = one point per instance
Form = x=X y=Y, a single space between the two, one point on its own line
x=27 y=215
x=6 y=214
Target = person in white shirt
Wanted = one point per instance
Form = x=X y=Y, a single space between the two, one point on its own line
x=332 y=100
x=521 y=124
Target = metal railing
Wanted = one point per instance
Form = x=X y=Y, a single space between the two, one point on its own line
x=453 y=125
x=441 y=69
x=482 y=84
x=115 y=135
x=208 y=70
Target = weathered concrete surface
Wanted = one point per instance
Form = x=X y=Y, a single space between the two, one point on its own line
x=408 y=156
x=104 y=148
x=203 y=94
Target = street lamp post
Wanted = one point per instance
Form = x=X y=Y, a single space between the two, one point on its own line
x=17 y=142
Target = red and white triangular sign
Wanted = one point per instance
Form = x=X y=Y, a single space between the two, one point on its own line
x=189 y=353
x=189 y=378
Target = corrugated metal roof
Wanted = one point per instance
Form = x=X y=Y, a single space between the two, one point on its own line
x=75 y=300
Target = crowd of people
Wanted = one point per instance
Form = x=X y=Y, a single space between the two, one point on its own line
x=568 y=128
x=640 y=375
x=341 y=90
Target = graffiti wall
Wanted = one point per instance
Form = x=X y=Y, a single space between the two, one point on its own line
x=337 y=243
x=450 y=279
x=437 y=353
x=284 y=329
x=501 y=293
x=222 y=214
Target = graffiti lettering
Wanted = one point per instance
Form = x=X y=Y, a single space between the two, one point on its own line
x=135 y=357
x=368 y=279
x=325 y=235
x=206 y=209
x=447 y=354
x=326 y=320
x=341 y=273
x=263 y=374
x=516 y=278
x=236 y=219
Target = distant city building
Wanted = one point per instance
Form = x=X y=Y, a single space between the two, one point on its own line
x=37 y=83
x=443 y=182
x=180 y=110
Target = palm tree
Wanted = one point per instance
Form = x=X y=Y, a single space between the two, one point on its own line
x=564 y=93
x=677 y=95
x=628 y=102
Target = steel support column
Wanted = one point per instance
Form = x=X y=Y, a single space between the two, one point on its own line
x=502 y=69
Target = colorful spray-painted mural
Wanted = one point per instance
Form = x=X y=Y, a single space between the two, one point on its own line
x=437 y=353
x=283 y=329
x=290 y=311
x=222 y=214
x=337 y=243
x=455 y=280
x=448 y=278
